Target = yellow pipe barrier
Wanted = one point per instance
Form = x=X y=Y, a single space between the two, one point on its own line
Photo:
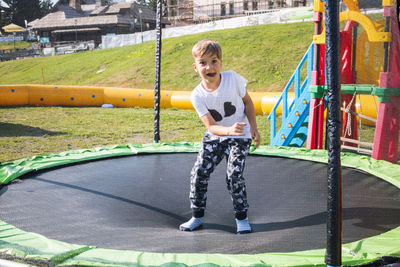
x=125 y=97
x=367 y=105
x=50 y=95
x=269 y=100
x=181 y=100
x=12 y=95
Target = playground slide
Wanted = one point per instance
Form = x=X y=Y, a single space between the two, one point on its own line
x=50 y=95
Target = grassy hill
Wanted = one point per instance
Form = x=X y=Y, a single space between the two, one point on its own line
x=266 y=55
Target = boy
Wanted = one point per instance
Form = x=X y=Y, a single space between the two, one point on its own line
x=226 y=109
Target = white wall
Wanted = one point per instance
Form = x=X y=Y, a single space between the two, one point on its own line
x=276 y=16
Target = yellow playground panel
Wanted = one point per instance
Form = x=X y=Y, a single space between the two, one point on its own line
x=370 y=47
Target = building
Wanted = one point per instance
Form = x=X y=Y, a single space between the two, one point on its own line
x=87 y=20
x=181 y=12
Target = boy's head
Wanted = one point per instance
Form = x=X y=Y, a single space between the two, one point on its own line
x=207 y=48
x=207 y=56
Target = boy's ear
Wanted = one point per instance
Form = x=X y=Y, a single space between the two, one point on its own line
x=194 y=66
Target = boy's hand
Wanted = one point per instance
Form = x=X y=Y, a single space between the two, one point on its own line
x=236 y=129
x=255 y=135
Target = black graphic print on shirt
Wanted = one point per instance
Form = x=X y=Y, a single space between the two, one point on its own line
x=229 y=110
x=215 y=114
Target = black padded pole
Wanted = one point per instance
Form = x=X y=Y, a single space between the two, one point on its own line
x=157 y=81
x=334 y=212
x=398 y=11
x=354 y=54
x=386 y=47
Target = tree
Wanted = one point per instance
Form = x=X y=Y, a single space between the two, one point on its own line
x=3 y=21
x=152 y=4
x=19 y=11
x=45 y=7
x=141 y=2
x=26 y=10
x=7 y=8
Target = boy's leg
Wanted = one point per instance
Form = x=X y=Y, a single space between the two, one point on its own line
x=208 y=158
x=238 y=150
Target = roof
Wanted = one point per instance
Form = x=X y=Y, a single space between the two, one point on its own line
x=30 y=24
x=78 y=30
x=112 y=9
x=64 y=16
x=59 y=21
x=147 y=13
x=13 y=28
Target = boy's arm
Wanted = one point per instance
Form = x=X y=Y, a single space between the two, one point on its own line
x=214 y=128
x=251 y=116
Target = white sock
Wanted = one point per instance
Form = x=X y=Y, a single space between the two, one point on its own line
x=191 y=225
x=243 y=226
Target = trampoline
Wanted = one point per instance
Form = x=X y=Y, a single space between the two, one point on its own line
x=126 y=210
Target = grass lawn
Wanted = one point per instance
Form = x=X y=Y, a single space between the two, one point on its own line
x=29 y=131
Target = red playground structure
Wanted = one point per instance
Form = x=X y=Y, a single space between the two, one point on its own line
x=370 y=65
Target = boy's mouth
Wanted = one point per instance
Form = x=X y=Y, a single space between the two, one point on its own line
x=211 y=74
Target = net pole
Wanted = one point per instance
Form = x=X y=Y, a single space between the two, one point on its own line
x=157 y=80
x=386 y=47
x=334 y=201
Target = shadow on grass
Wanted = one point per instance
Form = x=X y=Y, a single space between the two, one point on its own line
x=15 y=130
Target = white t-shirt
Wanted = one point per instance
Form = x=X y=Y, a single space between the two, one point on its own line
x=225 y=104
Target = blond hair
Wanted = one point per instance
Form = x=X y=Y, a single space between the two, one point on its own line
x=207 y=47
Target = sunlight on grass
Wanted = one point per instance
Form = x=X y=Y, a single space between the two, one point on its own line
x=29 y=131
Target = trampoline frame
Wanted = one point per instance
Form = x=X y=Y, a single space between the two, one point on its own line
x=19 y=243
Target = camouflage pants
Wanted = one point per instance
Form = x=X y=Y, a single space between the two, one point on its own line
x=212 y=152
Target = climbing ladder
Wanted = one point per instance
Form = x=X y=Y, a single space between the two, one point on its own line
x=294 y=119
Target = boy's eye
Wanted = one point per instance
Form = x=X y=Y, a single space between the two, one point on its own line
x=202 y=63
x=214 y=61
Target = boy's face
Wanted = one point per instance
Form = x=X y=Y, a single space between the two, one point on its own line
x=208 y=67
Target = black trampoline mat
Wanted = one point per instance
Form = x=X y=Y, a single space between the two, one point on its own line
x=137 y=203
